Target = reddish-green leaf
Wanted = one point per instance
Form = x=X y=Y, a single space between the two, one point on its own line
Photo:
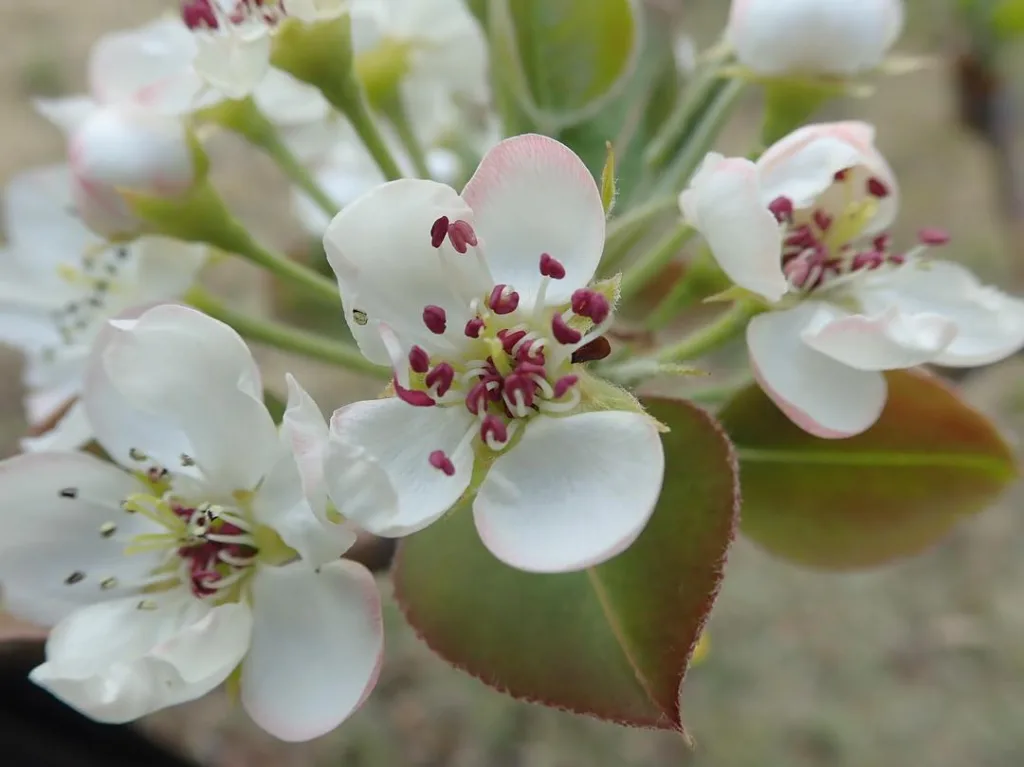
x=614 y=641
x=896 y=489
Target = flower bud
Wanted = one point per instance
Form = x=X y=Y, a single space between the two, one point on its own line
x=125 y=149
x=816 y=37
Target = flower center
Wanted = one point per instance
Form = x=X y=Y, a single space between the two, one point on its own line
x=94 y=281
x=822 y=246
x=210 y=15
x=509 y=362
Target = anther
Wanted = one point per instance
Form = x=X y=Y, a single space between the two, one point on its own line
x=419 y=360
x=462 y=236
x=781 y=208
x=137 y=455
x=413 y=397
x=596 y=350
x=198 y=14
x=563 y=384
x=435 y=318
x=841 y=175
x=822 y=220
x=493 y=429
x=107 y=529
x=562 y=332
x=509 y=338
x=69 y=492
x=933 y=236
x=108 y=583
x=76 y=577
x=591 y=304
x=877 y=188
x=503 y=300
x=474 y=327
x=187 y=460
x=441 y=377
x=438 y=232
x=442 y=462
x=551 y=267
x=519 y=388
x=476 y=399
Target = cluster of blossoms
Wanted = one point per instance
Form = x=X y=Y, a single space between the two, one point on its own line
x=206 y=547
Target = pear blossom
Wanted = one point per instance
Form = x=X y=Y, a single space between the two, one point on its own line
x=815 y=37
x=482 y=305
x=805 y=229
x=234 y=37
x=60 y=283
x=205 y=554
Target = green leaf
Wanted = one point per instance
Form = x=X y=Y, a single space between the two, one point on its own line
x=930 y=461
x=614 y=641
x=564 y=59
x=1008 y=19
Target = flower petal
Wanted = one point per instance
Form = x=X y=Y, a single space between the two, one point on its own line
x=819 y=394
x=57 y=551
x=989 y=323
x=533 y=195
x=723 y=203
x=71 y=432
x=68 y=114
x=393 y=490
x=573 y=493
x=305 y=431
x=117 y=661
x=380 y=249
x=889 y=340
x=197 y=374
x=233 y=64
x=317 y=646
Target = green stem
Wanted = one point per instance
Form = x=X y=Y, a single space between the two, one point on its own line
x=684 y=294
x=285 y=337
x=625 y=230
x=677 y=125
x=726 y=327
x=650 y=265
x=357 y=110
x=396 y=113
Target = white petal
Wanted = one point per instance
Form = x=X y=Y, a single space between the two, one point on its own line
x=989 y=323
x=889 y=340
x=723 y=203
x=380 y=250
x=71 y=432
x=150 y=66
x=316 y=10
x=573 y=493
x=165 y=268
x=196 y=373
x=305 y=431
x=317 y=646
x=821 y=396
x=49 y=537
x=117 y=661
x=233 y=64
x=68 y=114
x=287 y=101
x=391 y=436
x=533 y=195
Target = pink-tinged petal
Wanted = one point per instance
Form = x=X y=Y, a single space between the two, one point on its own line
x=802 y=166
x=890 y=340
x=58 y=549
x=989 y=323
x=819 y=394
x=196 y=374
x=724 y=203
x=393 y=441
x=380 y=248
x=116 y=662
x=533 y=195
x=573 y=493
x=317 y=646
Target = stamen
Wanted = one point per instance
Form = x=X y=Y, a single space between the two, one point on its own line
x=442 y=462
x=841 y=175
x=493 y=432
x=413 y=397
x=474 y=327
x=519 y=388
x=419 y=360
x=510 y=338
x=591 y=304
x=933 y=236
x=596 y=350
x=198 y=14
x=69 y=492
x=562 y=332
x=563 y=384
x=877 y=188
x=438 y=232
x=503 y=300
x=462 y=236
x=76 y=577
x=435 y=318
x=441 y=376
x=551 y=267
x=822 y=220
x=781 y=208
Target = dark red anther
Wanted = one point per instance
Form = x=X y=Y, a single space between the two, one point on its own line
x=563 y=384
x=509 y=339
x=563 y=333
x=462 y=236
x=474 y=327
x=413 y=397
x=495 y=428
x=801 y=237
x=476 y=399
x=822 y=220
x=438 y=232
x=435 y=319
x=933 y=236
x=781 y=208
x=419 y=360
x=871 y=259
x=531 y=369
x=199 y=14
x=528 y=354
x=503 y=300
x=591 y=304
x=441 y=376
x=842 y=175
x=551 y=267
x=882 y=242
x=442 y=462
x=593 y=351
x=877 y=188
x=897 y=259
x=518 y=387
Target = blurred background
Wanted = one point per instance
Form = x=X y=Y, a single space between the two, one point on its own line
x=921 y=662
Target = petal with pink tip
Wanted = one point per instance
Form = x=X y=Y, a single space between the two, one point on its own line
x=724 y=203
x=533 y=195
x=820 y=395
x=573 y=493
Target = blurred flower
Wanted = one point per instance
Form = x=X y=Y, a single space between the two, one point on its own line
x=813 y=37
x=479 y=302
x=208 y=552
x=60 y=283
x=805 y=228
